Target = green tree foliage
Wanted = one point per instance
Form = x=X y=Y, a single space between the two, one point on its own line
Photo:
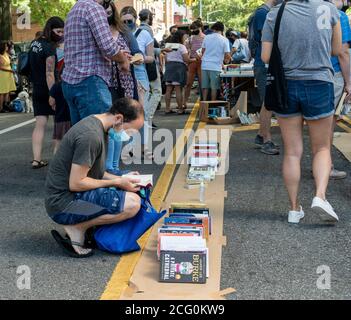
x=42 y=10
x=234 y=14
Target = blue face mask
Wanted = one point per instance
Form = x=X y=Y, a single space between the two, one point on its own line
x=131 y=25
x=119 y=135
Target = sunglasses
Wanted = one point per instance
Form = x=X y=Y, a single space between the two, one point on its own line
x=128 y=21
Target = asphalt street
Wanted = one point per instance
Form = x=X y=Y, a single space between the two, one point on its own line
x=265 y=257
x=25 y=238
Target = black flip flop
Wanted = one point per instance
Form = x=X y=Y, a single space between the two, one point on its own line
x=39 y=164
x=66 y=245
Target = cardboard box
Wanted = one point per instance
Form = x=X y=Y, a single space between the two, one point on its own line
x=207 y=106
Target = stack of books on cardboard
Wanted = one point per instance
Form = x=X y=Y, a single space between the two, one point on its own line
x=182 y=247
x=203 y=163
x=247 y=119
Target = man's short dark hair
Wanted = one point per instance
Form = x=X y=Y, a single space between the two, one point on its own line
x=130 y=109
x=218 y=26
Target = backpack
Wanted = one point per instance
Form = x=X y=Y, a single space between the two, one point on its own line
x=23 y=67
x=253 y=43
x=151 y=68
x=17 y=105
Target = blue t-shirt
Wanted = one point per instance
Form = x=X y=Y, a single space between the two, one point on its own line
x=346 y=38
x=258 y=23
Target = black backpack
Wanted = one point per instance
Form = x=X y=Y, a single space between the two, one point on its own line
x=151 y=68
x=253 y=43
x=23 y=67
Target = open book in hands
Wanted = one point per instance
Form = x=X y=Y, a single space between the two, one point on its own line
x=146 y=180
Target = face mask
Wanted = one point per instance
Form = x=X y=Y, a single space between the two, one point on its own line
x=55 y=37
x=131 y=25
x=106 y=3
x=110 y=20
x=119 y=135
x=195 y=33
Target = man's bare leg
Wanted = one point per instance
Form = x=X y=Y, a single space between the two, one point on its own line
x=265 y=124
x=77 y=232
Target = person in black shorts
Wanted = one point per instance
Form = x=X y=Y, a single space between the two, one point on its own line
x=43 y=77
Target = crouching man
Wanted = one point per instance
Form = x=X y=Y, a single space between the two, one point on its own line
x=80 y=194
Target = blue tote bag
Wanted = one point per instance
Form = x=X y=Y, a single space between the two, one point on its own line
x=122 y=237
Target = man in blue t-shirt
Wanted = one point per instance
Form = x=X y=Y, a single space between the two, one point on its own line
x=264 y=138
x=341 y=65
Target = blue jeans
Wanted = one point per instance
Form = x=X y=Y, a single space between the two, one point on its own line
x=113 y=154
x=91 y=96
x=311 y=99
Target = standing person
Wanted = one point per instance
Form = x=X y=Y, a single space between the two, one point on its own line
x=123 y=83
x=62 y=119
x=342 y=77
x=263 y=140
x=146 y=21
x=80 y=193
x=89 y=49
x=146 y=45
x=241 y=45
x=43 y=76
x=215 y=50
x=176 y=72
x=7 y=80
x=310 y=93
x=194 y=69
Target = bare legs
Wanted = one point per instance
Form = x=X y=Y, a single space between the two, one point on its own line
x=77 y=232
x=265 y=124
x=179 y=97
x=169 y=90
x=2 y=100
x=319 y=131
x=38 y=136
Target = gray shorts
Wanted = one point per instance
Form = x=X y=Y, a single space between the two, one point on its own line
x=339 y=86
x=260 y=73
x=210 y=80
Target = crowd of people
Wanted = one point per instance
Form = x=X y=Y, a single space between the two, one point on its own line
x=102 y=73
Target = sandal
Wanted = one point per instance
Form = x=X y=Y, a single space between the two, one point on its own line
x=182 y=111
x=67 y=246
x=39 y=164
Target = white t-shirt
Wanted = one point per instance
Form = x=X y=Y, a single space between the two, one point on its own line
x=144 y=39
x=177 y=55
x=215 y=46
x=246 y=49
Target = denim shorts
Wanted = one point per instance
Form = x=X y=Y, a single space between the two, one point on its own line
x=210 y=79
x=92 y=204
x=312 y=99
x=91 y=96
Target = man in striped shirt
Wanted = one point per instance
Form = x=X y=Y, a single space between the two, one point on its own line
x=89 y=49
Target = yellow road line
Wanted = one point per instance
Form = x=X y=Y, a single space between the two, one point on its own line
x=251 y=127
x=344 y=126
x=125 y=267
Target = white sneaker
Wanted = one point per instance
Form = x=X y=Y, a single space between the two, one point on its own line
x=324 y=209
x=296 y=216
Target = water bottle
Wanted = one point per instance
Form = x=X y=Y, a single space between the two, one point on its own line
x=202 y=191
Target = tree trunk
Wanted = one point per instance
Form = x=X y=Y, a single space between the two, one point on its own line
x=5 y=20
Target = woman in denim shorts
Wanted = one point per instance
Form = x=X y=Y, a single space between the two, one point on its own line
x=307 y=37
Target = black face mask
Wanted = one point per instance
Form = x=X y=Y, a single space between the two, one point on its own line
x=106 y=4
x=55 y=37
x=195 y=33
x=110 y=20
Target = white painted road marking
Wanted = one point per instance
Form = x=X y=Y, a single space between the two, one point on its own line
x=17 y=126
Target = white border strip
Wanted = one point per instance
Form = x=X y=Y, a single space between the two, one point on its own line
x=17 y=126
